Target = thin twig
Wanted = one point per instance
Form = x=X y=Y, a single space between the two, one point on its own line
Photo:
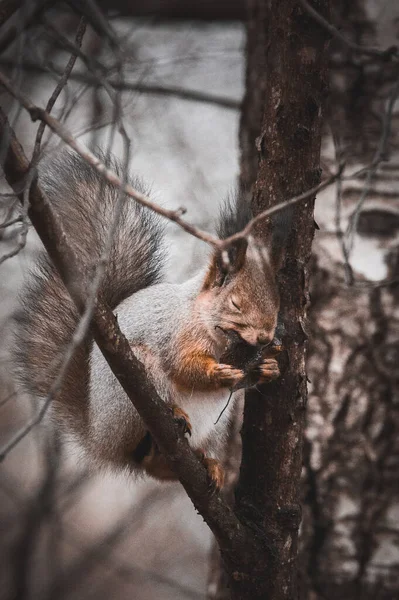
x=143 y=87
x=390 y=53
x=279 y=207
x=58 y=89
x=338 y=207
x=24 y=431
x=11 y=222
x=379 y=156
x=376 y=284
x=8 y=398
x=84 y=322
x=93 y=14
x=36 y=151
x=95 y=68
x=27 y=17
x=234 y=539
x=134 y=573
x=182 y=93
x=38 y=113
x=77 y=338
x=22 y=233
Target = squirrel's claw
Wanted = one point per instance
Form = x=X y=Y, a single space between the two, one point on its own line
x=268 y=370
x=182 y=419
x=226 y=375
x=215 y=473
x=214 y=469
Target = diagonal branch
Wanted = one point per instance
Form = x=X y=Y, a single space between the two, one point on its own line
x=38 y=113
x=149 y=88
x=379 y=156
x=30 y=12
x=58 y=89
x=391 y=53
x=91 y=11
x=233 y=538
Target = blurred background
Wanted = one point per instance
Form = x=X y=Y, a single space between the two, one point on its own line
x=70 y=532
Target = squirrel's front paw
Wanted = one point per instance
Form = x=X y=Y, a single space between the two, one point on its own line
x=226 y=375
x=268 y=370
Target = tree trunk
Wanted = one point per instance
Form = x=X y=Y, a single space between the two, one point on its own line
x=289 y=164
x=350 y=529
x=349 y=533
x=267 y=495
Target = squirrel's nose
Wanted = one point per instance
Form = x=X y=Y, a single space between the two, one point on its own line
x=263 y=339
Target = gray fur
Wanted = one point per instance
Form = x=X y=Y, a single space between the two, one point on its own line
x=160 y=320
x=151 y=320
x=47 y=317
x=136 y=260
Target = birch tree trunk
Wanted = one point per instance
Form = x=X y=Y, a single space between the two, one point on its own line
x=350 y=529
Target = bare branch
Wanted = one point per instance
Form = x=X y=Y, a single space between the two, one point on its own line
x=93 y=14
x=84 y=322
x=338 y=205
x=387 y=54
x=8 y=398
x=281 y=206
x=379 y=156
x=20 y=245
x=23 y=231
x=172 y=215
x=182 y=93
x=101 y=551
x=234 y=539
x=29 y=14
x=11 y=222
x=24 y=431
x=96 y=69
x=143 y=87
x=76 y=340
x=60 y=86
x=39 y=113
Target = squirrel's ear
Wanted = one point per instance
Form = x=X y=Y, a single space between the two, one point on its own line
x=236 y=253
x=219 y=273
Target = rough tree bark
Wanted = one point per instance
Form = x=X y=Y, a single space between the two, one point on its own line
x=289 y=163
x=258 y=550
x=349 y=533
x=350 y=528
x=267 y=495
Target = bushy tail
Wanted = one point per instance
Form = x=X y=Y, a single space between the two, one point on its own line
x=86 y=205
x=47 y=317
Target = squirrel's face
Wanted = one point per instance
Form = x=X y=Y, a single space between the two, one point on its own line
x=245 y=299
x=252 y=316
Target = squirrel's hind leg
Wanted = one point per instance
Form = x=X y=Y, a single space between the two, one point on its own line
x=148 y=456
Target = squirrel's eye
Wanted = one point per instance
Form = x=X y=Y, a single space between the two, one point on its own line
x=235 y=305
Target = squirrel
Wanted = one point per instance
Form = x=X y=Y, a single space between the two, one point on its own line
x=183 y=333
